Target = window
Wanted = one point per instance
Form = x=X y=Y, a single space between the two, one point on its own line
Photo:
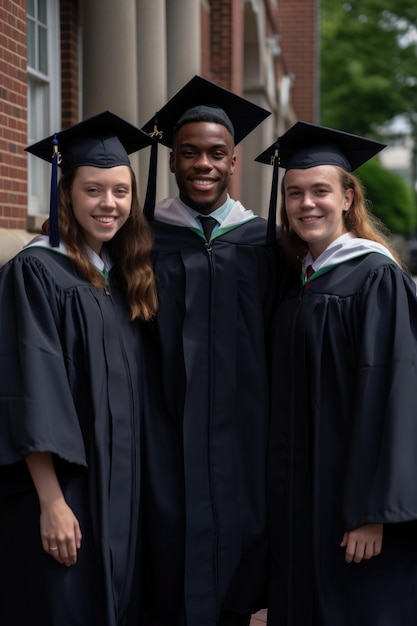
x=44 y=93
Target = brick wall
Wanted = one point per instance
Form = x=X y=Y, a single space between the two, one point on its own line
x=205 y=38
x=13 y=114
x=298 y=27
x=297 y=22
x=69 y=62
x=222 y=56
x=13 y=101
x=226 y=43
x=221 y=42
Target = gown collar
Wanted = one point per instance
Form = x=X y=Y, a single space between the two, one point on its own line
x=102 y=262
x=175 y=212
x=343 y=249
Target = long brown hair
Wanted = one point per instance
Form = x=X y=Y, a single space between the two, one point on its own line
x=129 y=249
x=358 y=220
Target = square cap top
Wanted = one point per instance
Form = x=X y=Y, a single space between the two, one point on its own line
x=201 y=100
x=104 y=140
x=307 y=145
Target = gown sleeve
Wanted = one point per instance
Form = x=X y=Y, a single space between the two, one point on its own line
x=37 y=411
x=380 y=480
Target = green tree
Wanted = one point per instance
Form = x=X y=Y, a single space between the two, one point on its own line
x=368 y=63
x=390 y=198
x=368 y=78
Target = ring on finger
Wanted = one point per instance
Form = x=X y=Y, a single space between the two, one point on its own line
x=53 y=547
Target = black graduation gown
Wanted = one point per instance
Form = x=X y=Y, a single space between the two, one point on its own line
x=70 y=384
x=205 y=544
x=343 y=447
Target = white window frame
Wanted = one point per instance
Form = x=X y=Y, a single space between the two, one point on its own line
x=44 y=112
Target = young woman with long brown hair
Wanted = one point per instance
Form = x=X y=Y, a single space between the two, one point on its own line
x=72 y=390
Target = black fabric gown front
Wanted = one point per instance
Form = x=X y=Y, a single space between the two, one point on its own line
x=205 y=544
x=343 y=447
x=70 y=372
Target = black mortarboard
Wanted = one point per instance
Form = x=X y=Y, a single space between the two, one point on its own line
x=236 y=113
x=104 y=141
x=198 y=100
x=307 y=145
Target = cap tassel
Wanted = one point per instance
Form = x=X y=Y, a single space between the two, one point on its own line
x=150 y=198
x=271 y=233
x=53 y=206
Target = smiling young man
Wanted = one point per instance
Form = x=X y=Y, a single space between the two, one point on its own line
x=205 y=544
x=203 y=160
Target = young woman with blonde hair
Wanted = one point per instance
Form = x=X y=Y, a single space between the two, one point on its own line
x=342 y=451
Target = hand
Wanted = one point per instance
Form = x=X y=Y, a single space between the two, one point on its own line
x=362 y=543
x=60 y=531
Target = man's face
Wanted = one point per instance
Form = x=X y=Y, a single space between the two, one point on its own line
x=203 y=160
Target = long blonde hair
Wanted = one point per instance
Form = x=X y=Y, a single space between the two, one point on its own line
x=358 y=220
x=130 y=250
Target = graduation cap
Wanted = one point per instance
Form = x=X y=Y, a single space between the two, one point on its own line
x=104 y=141
x=307 y=145
x=199 y=100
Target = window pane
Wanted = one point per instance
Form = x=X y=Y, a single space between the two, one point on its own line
x=30 y=7
x=43 y=59
x=43 y=39
x=38 y=170
x=42 y=11
x=31 y=44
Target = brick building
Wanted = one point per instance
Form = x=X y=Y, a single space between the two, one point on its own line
x=65 y=60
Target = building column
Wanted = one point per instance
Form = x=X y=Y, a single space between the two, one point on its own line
x=152 y=83
x=184 y=46
x=184 y=42
x=109 y=66
x=259 y=82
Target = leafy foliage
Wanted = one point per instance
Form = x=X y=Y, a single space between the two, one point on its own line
x=368 y=78
x=368 y=63
x=390 y=198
